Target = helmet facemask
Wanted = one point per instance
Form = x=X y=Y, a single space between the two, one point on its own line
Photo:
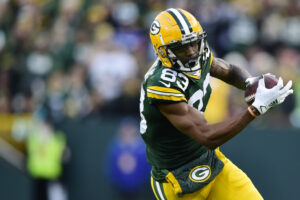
x=188 y=64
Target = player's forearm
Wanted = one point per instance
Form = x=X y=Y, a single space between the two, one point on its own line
x=191 y=122
x=229 y=73
x=211 y=135
x=219 y=133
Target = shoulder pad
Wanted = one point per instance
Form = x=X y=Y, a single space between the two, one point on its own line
x=166 y=85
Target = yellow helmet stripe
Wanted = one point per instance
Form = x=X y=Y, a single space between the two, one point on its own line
x=181 y=22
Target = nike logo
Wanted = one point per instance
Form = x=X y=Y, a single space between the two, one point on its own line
x=166 y=84
x=263 y=109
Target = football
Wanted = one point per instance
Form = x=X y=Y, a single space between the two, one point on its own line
x=270 y=81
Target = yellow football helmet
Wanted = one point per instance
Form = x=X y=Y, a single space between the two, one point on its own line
x=172 y=29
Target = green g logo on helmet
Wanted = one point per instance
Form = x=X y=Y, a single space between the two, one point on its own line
x=200 y=173
x=155 y=27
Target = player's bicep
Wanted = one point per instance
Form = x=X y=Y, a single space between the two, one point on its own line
x=229 y=73
x=220 y=68
x=185 y=118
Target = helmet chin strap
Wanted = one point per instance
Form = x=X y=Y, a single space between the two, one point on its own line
x=189 y=66
x=201 y=50
x=190 y=62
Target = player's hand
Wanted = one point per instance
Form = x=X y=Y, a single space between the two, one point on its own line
x=251 y=80
x=267 y=98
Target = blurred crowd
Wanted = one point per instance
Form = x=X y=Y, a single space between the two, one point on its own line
x=83 y=58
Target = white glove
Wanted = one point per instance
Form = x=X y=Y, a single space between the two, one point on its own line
x=267 y=98
x=251 y=80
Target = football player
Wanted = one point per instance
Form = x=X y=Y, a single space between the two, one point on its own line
x=181 y=147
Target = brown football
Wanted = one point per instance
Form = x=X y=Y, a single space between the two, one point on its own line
x=270 y=81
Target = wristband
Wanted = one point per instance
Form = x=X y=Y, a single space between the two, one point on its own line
x=251 y=112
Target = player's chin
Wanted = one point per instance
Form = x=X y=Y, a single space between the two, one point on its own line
x=189 y=60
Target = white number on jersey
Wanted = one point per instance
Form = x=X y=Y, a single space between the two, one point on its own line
x=143 y=123
x=170 y=76
x=199 y=94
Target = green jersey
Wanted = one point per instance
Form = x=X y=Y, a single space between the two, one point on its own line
x=166 y=147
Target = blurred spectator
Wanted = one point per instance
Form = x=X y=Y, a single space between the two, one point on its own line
x=55 y=96
x=45 y=150
x=77 y=103
x=85 y=58
x=110 y=66
x=217 y=108
x=39 y=61
x=4 y=103
x=126 y=166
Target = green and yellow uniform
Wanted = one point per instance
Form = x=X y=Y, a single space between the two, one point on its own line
x=183 y=169
x=166 y=146
x=174 y=156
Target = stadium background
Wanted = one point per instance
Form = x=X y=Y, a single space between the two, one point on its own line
x=78 y=64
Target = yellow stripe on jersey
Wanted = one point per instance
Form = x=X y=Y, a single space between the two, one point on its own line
x=193 y=76
x=211 y=59
x=165 y=93
x=163 y=97
x=152 y=185
x=164 y=89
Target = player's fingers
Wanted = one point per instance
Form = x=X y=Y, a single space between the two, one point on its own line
x=261 y=83
x=250 y=80
x=291 y=91
x=280 y=83
x=286 y=88
x=283 y=96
